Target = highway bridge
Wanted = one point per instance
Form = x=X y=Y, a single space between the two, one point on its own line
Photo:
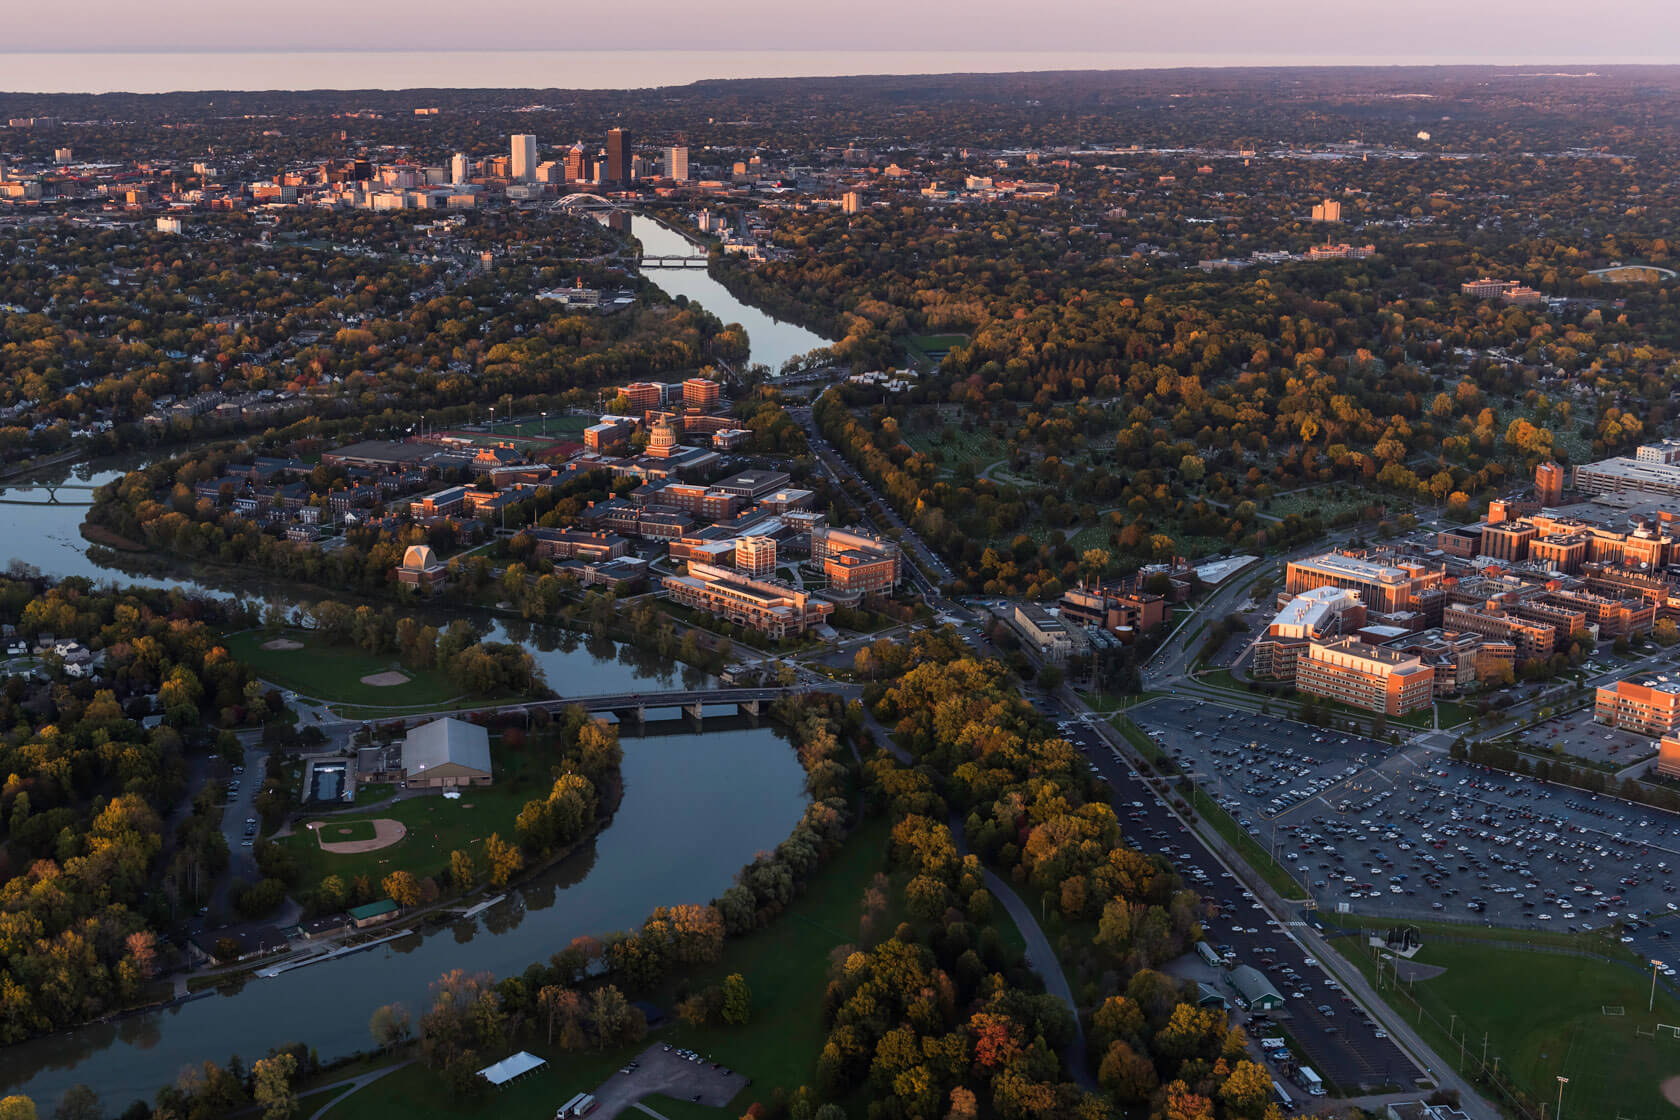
x=674 y=262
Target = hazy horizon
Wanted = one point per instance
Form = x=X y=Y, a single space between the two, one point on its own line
x=209 y=69
x=1352 y=28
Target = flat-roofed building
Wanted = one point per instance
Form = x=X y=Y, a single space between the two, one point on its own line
x=1508 y=540
x=1532 y=639
x=1046 y=631
x=1323 y=612
x=1115 y=609
x=1559 y=552
x=1653 y=470
x=1548 y=484
x=700 y=392
x=1614 y=617
x=1383 y=587
x=568 y=544
x=856 y=561
x=768 y=606
x=1361 y=675
x=1457 y=658
x=1668 y=756
x=755 y=555
x=1651 y=707
x=644 y=395
x=444 y=503
x=754 y=484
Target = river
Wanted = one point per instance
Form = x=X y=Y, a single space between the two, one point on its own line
x=737 y=788
x=772 y=340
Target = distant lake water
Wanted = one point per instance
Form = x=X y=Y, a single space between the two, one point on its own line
x=161 y=72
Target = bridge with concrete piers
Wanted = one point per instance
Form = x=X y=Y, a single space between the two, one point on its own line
x=693 y=702
x=675 y=262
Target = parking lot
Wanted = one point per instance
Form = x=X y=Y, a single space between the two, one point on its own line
x=668 y=1071
x=1576 y=734
x=1340 y=1043
x=1410 y=834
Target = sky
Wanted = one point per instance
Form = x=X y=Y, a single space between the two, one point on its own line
x=1497 y=30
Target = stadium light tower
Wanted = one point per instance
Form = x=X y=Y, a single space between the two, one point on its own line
x=1562 y=1081
x=1653 y=1004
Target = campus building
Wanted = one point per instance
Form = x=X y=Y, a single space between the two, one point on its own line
x=1384 y=588
x=768 y=606
x=1052 y=637
x=1668 y=757
x=1532 y=639
x=1324 y=612
x=756 y=556
x=1115 y=609
x=1650 y=708
x=1362 y=675
x=854 y=561
x=421 y=569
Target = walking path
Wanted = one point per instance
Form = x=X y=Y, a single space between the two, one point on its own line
x=649 y=1111
x=353 y=1085
x=1041 y=957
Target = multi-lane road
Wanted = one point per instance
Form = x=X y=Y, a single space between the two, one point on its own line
x=1344 y=1049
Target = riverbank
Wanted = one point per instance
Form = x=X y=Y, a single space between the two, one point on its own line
x=106 y=538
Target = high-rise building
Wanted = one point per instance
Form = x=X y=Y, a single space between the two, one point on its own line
x=460 y=168
x=524 y=157
x=575 y=161
x=1548 y=484
x=619 y=152
x=851 y=202
x=676 y=164
x=755 y=555
x=1327 y=211
x=700 y=392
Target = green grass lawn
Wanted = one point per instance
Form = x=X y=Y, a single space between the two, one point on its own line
x=417 y=1093
x=955 y=449
x=1544 y=1016
x=334 y=673
x=1597 y=943
x=436 y=826
x=786 y=968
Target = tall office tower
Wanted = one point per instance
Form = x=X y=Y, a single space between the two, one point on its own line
x=460 y=168
x=619 y=172
x=676 y=164
x=851 y=202
x=524 y=157
x=575 y=160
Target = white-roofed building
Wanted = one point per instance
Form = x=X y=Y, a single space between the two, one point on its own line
x=1323 y=612
x=446 y=753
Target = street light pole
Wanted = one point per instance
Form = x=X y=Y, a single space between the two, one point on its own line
x=1653 y=1004
x=1562 y=1081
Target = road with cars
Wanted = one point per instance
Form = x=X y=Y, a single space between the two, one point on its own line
x=1330 y=1032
